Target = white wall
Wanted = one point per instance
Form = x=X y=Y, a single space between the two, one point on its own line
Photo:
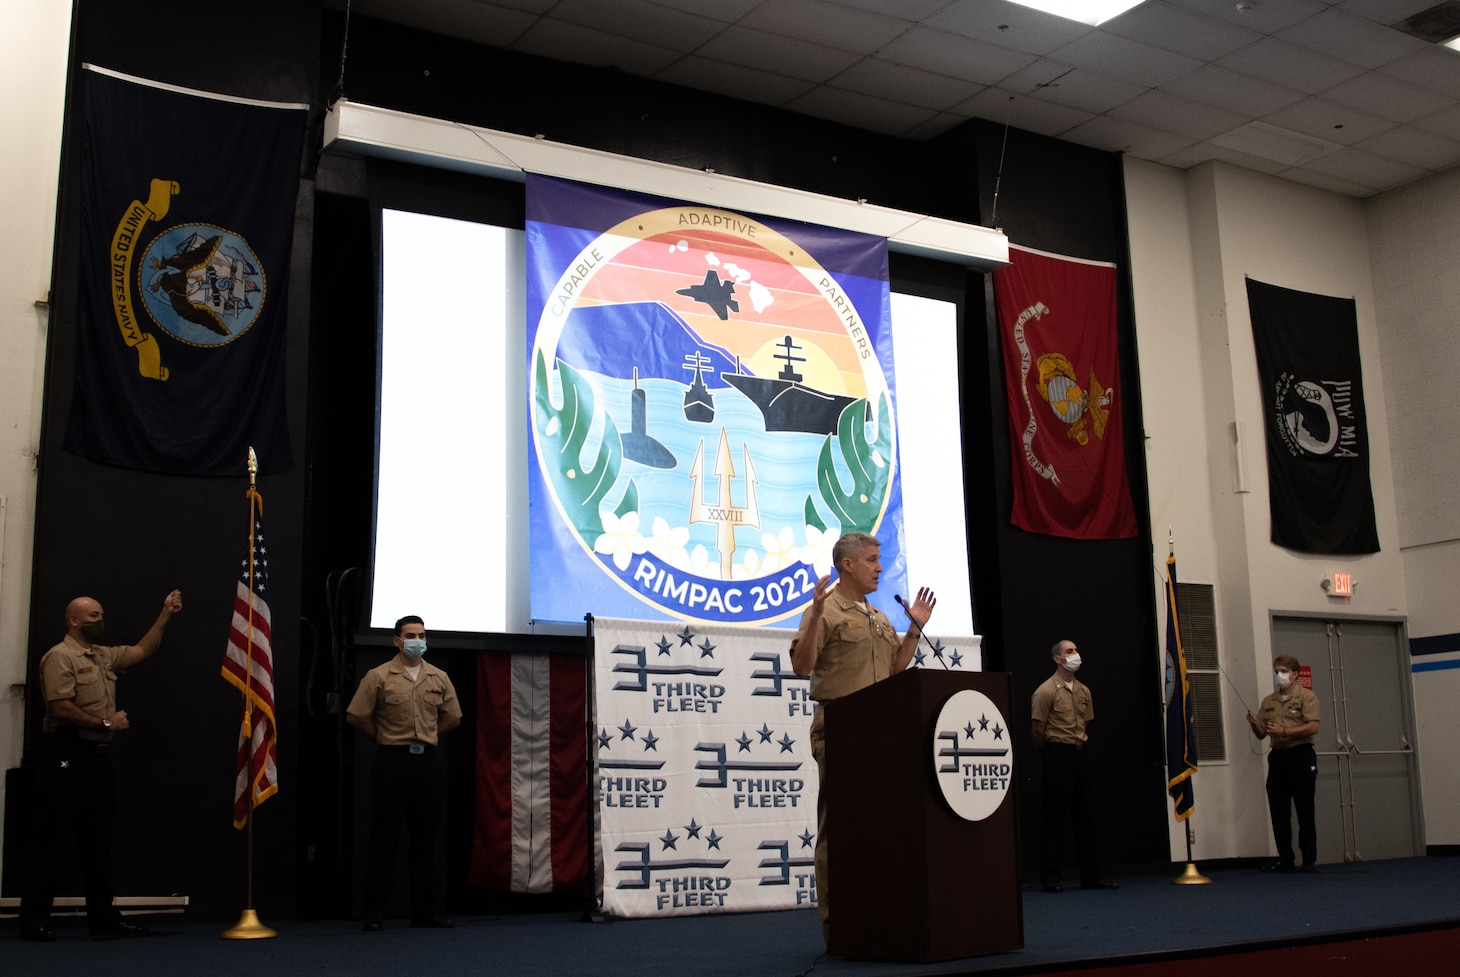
x=1414 y=236
x=33 y=51
x=1198 y=379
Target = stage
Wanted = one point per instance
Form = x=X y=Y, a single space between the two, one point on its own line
x=1148 y=920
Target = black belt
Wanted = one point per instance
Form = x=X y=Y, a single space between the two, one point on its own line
x=415 y=749
x=1063 y=746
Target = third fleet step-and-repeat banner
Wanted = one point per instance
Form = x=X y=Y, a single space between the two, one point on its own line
x=707 y=786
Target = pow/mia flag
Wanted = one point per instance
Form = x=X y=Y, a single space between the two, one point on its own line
x=187 y=221
x=1313 y=415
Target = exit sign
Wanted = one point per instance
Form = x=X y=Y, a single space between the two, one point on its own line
x=1342 y=585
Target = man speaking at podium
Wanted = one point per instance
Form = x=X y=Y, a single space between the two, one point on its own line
x=845 y=644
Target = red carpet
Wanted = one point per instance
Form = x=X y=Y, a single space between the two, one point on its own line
x=1421 y=954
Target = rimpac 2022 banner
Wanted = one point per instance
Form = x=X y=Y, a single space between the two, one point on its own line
x=712 y=405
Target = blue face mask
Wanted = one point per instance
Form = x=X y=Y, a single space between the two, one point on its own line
x=414 y=648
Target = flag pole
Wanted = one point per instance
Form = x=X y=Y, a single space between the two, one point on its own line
x=248 y=926
x=1190 y=876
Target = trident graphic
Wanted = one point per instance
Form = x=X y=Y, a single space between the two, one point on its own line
x=724 y=515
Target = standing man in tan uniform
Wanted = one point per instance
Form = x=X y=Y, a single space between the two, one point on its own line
x=845 y=644
x=1290 y=716
x=1061 y=710
x=76 y=792
x=405 y=706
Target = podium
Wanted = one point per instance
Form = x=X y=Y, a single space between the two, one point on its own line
x=910 y=879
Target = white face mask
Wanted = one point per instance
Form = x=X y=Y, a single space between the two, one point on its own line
x=1281 y=680
x=1072 y=663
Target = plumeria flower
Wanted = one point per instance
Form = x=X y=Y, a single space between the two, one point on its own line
x=817 y=550
x=700 y=563
x=780 y=551
x=620 y=538
x=668 y=543
x=748 y=570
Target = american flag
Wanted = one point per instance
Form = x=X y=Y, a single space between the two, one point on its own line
x=249 y=665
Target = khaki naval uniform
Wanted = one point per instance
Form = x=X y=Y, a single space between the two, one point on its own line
x=858 y=646
x=1292 y=772
x=408 y=777
x=1067 y=778
x=75 y=786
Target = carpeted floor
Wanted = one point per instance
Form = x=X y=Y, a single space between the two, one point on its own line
x=1148 y=922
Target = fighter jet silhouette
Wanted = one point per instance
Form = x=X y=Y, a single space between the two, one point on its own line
x=714 y=293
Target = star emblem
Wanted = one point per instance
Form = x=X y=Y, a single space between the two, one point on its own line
x=956 y=659
x=744 y=742
x=713 y=840
x=807 y=838
x=786 y=743
x=669 y=839
x=765 y=732
x=692 y=830
x=627 y=729
x=983 y=722
x=707 y=650
x=663 y=645
x=651 y=742
x=969 y=730
x=604 y=739
x=998 y=732
x=919 y=658
x=686 y=637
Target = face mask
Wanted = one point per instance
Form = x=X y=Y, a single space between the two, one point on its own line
x=414 y=648
x=1072 y=663
x=1281 y=680
x=93 y=631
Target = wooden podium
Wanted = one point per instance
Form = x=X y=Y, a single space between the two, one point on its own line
x=910 y=879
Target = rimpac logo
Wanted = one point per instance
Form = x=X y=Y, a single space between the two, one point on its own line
x=972 y=755
x=709 y=413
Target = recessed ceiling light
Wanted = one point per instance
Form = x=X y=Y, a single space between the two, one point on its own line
x=1092 y=12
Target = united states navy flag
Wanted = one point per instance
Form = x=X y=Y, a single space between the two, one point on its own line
x=187 y=219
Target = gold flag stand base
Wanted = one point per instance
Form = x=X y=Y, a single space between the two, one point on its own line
x=1191 y=877
x=249 y=928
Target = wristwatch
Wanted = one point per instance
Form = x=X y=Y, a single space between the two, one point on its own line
x=106 y=724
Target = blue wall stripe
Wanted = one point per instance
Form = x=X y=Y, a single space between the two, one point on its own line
x=1434 y=666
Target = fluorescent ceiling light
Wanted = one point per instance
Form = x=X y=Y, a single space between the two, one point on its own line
x=1092 y=12
x=1453 y=44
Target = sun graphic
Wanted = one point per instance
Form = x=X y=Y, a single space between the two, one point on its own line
x=818 y=370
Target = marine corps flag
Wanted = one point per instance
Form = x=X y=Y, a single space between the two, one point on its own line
x=1057 y=332
x=187 y=219
x=1318 y=486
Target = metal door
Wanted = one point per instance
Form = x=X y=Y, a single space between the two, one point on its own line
x=1367 y=804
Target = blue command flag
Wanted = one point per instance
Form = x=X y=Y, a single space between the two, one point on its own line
x=1180 y=709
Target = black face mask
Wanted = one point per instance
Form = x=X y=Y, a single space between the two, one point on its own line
x=93 y=630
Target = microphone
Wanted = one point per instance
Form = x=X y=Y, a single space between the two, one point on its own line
x=936 y=653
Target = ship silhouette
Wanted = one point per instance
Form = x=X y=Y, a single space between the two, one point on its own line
x=786 y=403
x=699 y=403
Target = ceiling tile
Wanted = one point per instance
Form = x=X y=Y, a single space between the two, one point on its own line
x=640 y=20
x=1365 y=169
x=911 y=9
x=862 y=111
x=782 y=55
x=1385 y=11
x=954 y=55
x=1322 y=181
x=1445 y=122
x=1379 y=94
x=912 y=86
x=1233 y=91
x=1002 y=106
x=1327 y=120
x=728 y=11
x=1264 y=18
x=568 y=42
x=828 y=24
x=1007 y=25
x=1436 y=68
x=1119 y=136
x=935 y=126
x=1159 y=110
x=736 y=81
x=1349 y=38
x=467 y=19
x=1075 y=87
x=1414 y=146
x=1290 y=65
x=1121 y=57
x=1200 y=152
x=1180 y=30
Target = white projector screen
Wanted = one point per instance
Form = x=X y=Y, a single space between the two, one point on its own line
x=451 y=470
